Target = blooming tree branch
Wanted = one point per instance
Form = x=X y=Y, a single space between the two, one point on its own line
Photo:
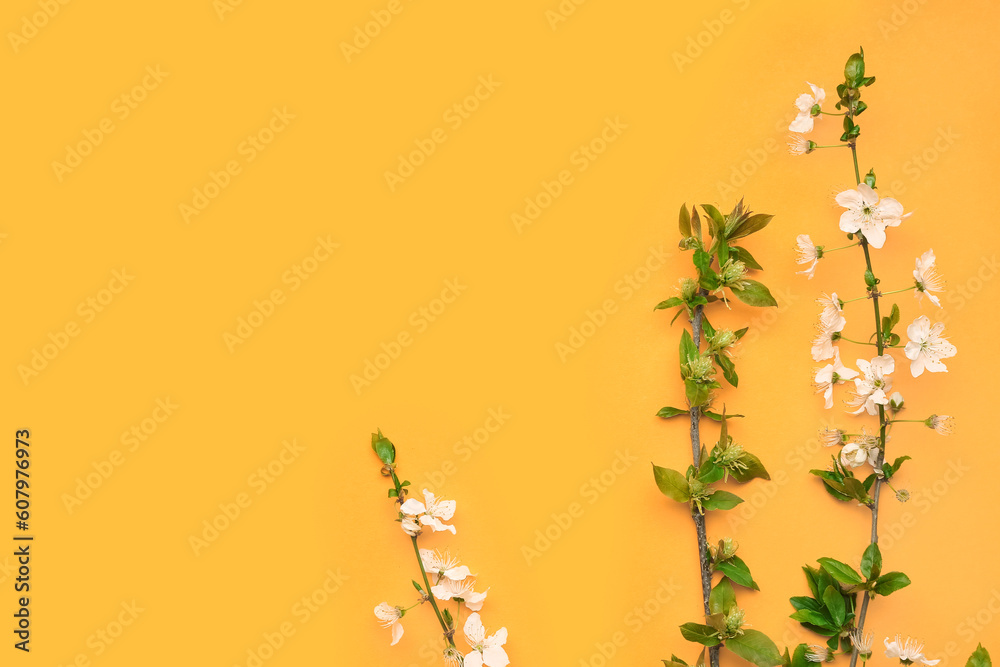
x=722 y=273
x=832 y=611
x=444 y=579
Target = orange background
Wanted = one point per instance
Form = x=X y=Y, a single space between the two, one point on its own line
x=708 y=130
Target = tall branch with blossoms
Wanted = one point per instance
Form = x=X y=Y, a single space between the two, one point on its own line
x=700 y=361
x=444 y=579
x=832 y=610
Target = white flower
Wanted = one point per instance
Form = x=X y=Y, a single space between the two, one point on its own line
x=485 y=650
x=832 y=315
x=896 y=402
x=431 y=514
x=831 y=374
x=805 y=103
x=823 y=348
x=871 y=388
x=855 y=454
x=831 y=437
x=927 y=347
x=443 y=565
x=943 y=424
x=862 y=642
x=411 y=526
x=927 y=278
x=867 y=215
x=389 y=617
x=799 y=145
x=817 y=653
x=450 y=589
x=452 y=657
x=806 y=252
x=908 y=653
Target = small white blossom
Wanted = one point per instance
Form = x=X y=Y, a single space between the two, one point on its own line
x=823 y=344
x=943 y=424
x=908 y=653
x=388 y=617
x=831 y=374
x=799 y=145
x=833 y=314
x=806 y=252
x=485 y=650
x=896 y=402
x=805 y=102
x=430 y=514
x=871 y=387
x=831 y=437
x=927 y=278
x=856 y=454
x=927 y=347
x=862 y=642
x=443 y=565
x=867 y=215
x=450 y=589
x=817 y=653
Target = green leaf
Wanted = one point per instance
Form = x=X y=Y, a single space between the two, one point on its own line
x=756 y=647
x=702 y=261
x=855 y=489
x=695 y=223
x=717 y=218
x=715 y=416
x=697 y=394
x=871 y=562
x=834 y=602
x=669 y=303
x=393 y=493
x=753 y=224
x=674 y=663
x=890 y=582
x=744 y=256
x=700 y=634
x=754 y=469
x=738 y=572
x=709 y=472
x=672 y=484
x=842 y=572
x=384 y=449
x=804 y=602
x=854 y=70
x=707 y=327
x=689 y=351
x=722 y=598
x=721 y=500
x=979 y=658
x=668 y=412
x=685 y=221
x=674 y=658
x=755 y=294
x=799 y=657
x=894 y=317
x=723 y=250
x=728 y=369
x=820 y=619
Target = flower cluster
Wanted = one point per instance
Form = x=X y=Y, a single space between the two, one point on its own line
x=445 y=579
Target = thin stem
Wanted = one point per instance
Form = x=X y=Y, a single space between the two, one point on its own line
x=833 y=113
x=857 y=180
x=831 y=146
x=843 y=247
x=897 y=291
x=704 y=562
